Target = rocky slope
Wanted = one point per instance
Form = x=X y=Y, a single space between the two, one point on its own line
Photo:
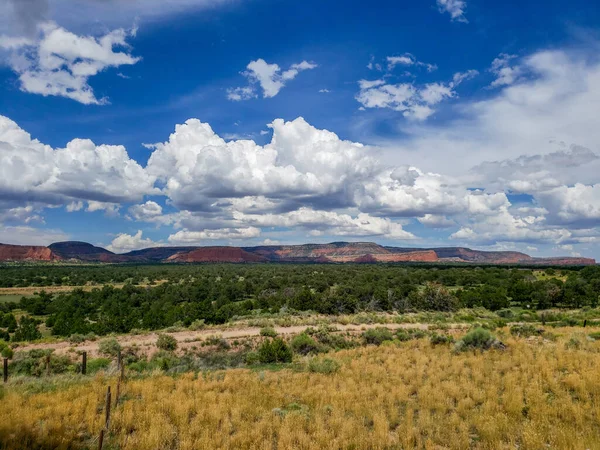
x=26 y=253
x=82 y=251
x=216 y=254
x=335 y=252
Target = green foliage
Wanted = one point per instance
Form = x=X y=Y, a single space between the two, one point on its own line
x=323 y=365
x=218 y=342
x=27 y=330
x=410 y=334
x=166 y=342
x=193 y=295
x=433 y=297
x=441 y=339
x=96 y=364
x=5 y=350
x=477 y=339
x=34 y=363
x=377 y=336
x=303 y=344
x=268 y=332
x=77 y=338
x=595 y=335
x=526 y=330
x=109 y=347
x=274 y=351
x=197 y=325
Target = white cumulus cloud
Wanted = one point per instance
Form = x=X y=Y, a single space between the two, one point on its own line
x=269 y=77
x=60 y=63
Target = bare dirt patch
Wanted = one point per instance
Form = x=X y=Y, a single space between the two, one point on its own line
x=186 y=339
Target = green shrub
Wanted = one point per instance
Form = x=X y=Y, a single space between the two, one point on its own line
x=34 y=363
x=5 y=350
x=595 y=336
x=27 y=330
x=377 y=336
x=166 y=342
x=506 y=313
x=252 y=358
x=218 y=342
x=479 y=338
x=323 y=365
x=96 y=364
x=76 y=338
x=441 y=339
x=274 y=351
x=303 y=344
x=324 y=335
x=109 y=347
x=526 y=330
x=268 y=332
x=197 y=325
x=573 y=344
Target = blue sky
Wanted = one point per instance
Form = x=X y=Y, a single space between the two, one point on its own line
x=215 y=122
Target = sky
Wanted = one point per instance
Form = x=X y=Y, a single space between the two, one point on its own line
x=139 y=123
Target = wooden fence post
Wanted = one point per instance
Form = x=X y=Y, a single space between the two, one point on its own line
x=119 y=360
x=84 y=363
x=47 y=365
x=108 y=400
x=101 y=439
x=5 y=370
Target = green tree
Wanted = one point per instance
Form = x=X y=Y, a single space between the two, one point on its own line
x=27 y=330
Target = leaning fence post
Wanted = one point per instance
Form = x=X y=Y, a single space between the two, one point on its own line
x=5 y=370
x=101 y=439
x=84 y=363
x=118 y=391
x=107 y=420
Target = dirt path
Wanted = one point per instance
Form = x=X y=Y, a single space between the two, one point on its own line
x=189 y=338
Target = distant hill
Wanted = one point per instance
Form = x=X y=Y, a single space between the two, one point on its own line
x=335 y=252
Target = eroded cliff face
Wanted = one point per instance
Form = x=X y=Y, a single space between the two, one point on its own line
x=335 y=252
x=26 y=253
x=216 y=254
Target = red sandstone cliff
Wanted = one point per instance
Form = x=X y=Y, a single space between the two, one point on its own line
x=216 y=254
x=26 y=253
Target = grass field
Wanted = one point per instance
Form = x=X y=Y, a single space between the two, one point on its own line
x=536 y=394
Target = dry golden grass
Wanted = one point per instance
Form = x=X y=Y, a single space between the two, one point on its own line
x=534 y=395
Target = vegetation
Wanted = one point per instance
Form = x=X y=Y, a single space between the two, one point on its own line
x=377 y=336
x=109 y=347
x=119 y=299
x=410 y=395
x=166 y=342
x=274 y=351
x=478 y=339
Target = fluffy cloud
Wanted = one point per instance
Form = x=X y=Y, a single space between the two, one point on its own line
x=186 y=237
x=456 y=9
x=124 y=243
x=198 y=167
x=31 y=171
x=414 y=101
x=408 y=59
x=504 y=72
x=330 y=223
x=269 y=77
x=60 y=63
